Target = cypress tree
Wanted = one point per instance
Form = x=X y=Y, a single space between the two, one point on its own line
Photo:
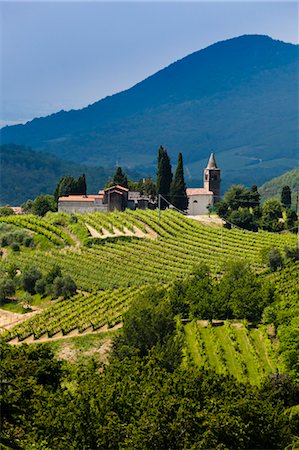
x=286 y=196
x=164 y=176
x=178 y=195
x=120 y=178
x=81 y=185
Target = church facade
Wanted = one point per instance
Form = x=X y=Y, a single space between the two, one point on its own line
x=201 y=199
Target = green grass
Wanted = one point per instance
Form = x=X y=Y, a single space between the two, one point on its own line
x=15 y=307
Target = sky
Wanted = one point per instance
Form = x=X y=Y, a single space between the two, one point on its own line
x=65 y=55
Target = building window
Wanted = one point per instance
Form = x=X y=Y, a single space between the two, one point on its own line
x=194 y=201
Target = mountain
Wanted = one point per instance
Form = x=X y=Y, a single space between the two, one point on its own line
x=236 y=97
x=273 y=188
x=26 y=174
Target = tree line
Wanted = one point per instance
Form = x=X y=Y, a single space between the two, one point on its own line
x=241 y=207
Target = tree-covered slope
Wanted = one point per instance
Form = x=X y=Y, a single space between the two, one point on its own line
x=26 y=174
x=274 y=187
x=238 y=97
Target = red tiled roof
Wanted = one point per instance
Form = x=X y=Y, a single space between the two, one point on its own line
x=117 y=187
x=198 y=191
x=79 y=198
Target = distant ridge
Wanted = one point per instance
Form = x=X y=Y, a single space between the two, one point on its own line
x=237 y=97
x=273 y=188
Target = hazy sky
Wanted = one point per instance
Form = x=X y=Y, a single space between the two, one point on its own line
x=63 y=55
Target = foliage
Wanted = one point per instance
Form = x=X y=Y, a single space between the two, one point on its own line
x=239 y=294
x=64 y=286
x=30 y=275
x=241 y=207
x=178 y=195
x=6 y=211
x=164 y=175
x=7 y=288
x=273 y=188
x=41 y=205
x=119 y=179
x=40 y=172
x=286 y=197
x=68 y=185
x=271 y=213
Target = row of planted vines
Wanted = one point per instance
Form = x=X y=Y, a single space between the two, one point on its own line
x=81 y=312
x=126 y=264
x=181 y=244
x=232 y=349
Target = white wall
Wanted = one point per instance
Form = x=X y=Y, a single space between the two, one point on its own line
x=80 y=207
x=198 y=204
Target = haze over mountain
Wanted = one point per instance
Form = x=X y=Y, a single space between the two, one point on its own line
x=236 y=97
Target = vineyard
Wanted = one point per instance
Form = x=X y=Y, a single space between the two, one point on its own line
x=181 y=244
x=110 y=272
x=81 y=312
x=231 y=348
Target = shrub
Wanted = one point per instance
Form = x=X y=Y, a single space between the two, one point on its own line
x=29 y=278
x=15 y=247
x=7 y=288
x=275 y=259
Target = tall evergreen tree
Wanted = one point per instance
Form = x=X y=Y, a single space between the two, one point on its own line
x=81 y=185
x=164 y=176
x=286 y=196
x=178 y=195
x=120 y=178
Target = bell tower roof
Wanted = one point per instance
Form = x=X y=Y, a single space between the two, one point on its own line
x=212 y=163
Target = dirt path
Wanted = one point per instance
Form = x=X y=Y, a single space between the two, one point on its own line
x=136 y=233
x=59 y=336
x=9 y=319
x=208 y=219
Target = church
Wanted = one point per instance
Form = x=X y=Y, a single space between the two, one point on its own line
x=200 y=199
x=119 y=198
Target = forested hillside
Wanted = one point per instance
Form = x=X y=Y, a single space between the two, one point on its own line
x=237 y=97
x=200 y=326
x=273 y=188
x=25 y=174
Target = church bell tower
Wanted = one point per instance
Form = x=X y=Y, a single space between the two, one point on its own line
x=212 y=178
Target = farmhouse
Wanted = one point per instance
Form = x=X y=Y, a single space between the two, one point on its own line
x=119 y=198
x=200 y=199
x=113 y=198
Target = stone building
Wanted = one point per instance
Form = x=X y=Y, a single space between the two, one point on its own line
x=82 y=204
x=200 y=199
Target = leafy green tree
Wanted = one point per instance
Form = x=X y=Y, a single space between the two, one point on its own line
x=53 y=273
x=7 y=288
x=164 y=176
x=40 y=286
x=148 y=322
x=119 y=178
x=240 y=294
x=241 y=206
x=286 y=196
x=271 y=213
x=149 y=188
x=42 y=204
x=178 y=195
x=29 y=277
x=68 y=185
x=243 y=218
x=64 y=287
x=275 y=259
x=291 y=220
x=291 y=253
